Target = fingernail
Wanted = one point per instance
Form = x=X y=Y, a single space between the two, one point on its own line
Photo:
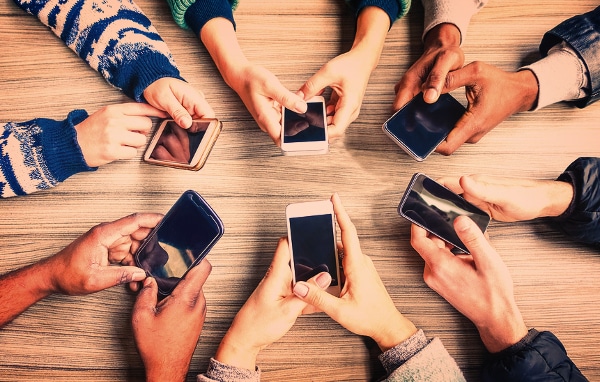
x=186 y=121
x=323 y=280
x=430 y=95
x=138 y=276
x=300 y=107
x=148 y=281
x=462 y=223
x=300 y=289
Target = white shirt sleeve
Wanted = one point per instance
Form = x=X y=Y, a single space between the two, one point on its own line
x=457 y=12
x=561 y=76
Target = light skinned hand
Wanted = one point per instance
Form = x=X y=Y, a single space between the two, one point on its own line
x=115 y=132
x=477 y=285
x=364 y=306
x=166 y=332
x=513 y=199
x=268 y=314
x=102 y=257
x=263 y=95
x=493 y=96
x=442 y=54
x=179 y=99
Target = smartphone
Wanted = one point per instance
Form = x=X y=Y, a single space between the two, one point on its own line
x=433 y=207
x=303 y=134
x=174 y=146
x=179 y=241
x=419 y=127
x=312 y=242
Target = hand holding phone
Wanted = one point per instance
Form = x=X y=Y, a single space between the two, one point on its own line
x=180 y=241
x=419 y=127
x=188 y=149
x=433 y=207
x=303 y=134
x=312 y=242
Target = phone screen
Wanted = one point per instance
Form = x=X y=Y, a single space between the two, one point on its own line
x=307 y=127
x=177 y=144
x=181 y=240
x=313 y=246
x=420 y=127
x=434 y=207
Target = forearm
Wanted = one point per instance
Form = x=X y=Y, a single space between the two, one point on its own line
x=39 y=154
x=22 y=288
x=371 y=30
x=115 y=38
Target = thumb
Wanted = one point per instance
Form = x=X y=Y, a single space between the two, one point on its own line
x=289 y=100
x=481 y=250
x=177 y=111
x=116 y=275
x=146 y=300
x=315 y=84
x=461 y=133
x=315 y=294
x=482 y=190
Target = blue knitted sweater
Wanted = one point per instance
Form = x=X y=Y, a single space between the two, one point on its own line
x=113 y=37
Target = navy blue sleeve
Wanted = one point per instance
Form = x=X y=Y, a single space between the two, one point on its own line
x=539 y=356
x=582 y=32
x=394 y=8
x=581 y=221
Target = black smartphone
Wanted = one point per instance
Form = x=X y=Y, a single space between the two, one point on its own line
x=433 y=207
x=180 y=241
x=174 y=146
x=306 y=133
x=312 y=241
x=419 y=127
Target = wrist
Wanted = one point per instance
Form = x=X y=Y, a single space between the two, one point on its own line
x=166 y=372
x=507 y=329
x=529 y=89
x=372 y=26
x=233 y=353
x=398 y=329
x=442 y=35
x=559 y=196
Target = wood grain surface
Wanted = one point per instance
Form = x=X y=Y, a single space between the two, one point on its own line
x=249 y=182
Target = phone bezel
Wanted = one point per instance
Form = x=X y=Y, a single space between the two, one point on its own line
x=402 y=213
x=305 y=148
x=304 y=209
x=200 y=203
x=445 y=98
x=200 y=156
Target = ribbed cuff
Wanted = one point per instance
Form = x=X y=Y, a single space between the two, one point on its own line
x=457 y=12
x=201 y=12
x=395 y=9
x=218 y=371
x=399 y=354
x=60 y=147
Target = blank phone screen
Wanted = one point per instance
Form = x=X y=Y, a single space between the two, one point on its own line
x=307 y=127
x=313 y=246
x=420 y=127
x=177 y=144
x=434 y=207
x=186 y=234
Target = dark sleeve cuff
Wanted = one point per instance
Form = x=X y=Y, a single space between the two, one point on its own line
x=61 y=149
x=582 y=33
x=201 y=12
x=395 y=9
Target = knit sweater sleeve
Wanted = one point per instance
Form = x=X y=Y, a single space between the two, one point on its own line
x=457 y=12
x=39 y=154
x=113 y=37
x=220 y=372
x=192 y=14
x=394 y=8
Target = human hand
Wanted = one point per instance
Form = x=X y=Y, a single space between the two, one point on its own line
x=477 y=285
x=178 y=98
x=493 y=96
x=267 y=315
x=513 y=199
x=442 y=54
x=364 y=306
x=166 y=332
x=102 y=257
x=115 y=132
x=263 y=95
x=173 y=145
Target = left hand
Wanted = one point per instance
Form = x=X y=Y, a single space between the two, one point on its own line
x=166 y=332
x=89 y=264
x=178 y=98
x=347 y=75
x=268 y=314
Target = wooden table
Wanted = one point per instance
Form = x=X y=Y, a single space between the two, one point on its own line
x=249 y=182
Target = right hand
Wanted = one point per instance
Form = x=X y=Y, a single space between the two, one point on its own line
x=513 y=199
x=364 y=306
x=263 y=95
x=115 y=132
x=477 y=285
x=442 y=54
x=166 y=332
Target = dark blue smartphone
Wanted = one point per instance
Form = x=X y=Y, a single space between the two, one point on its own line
x=433 y=207
x=419 y=127
x=180 y=241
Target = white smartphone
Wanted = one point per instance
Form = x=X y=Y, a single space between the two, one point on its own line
x=312 y=242
x=305 y=134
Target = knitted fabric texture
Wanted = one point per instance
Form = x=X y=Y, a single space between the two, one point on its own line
x=214 y=8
